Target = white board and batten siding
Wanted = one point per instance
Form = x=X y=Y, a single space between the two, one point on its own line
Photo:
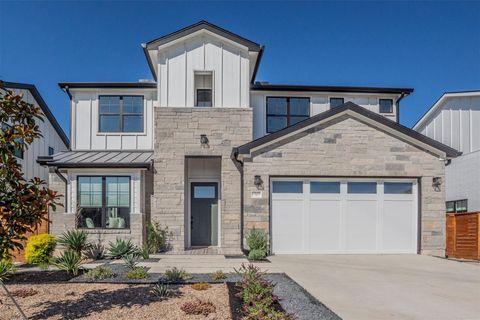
x=85 y=122
x=319 y=102
x=229 y=65
x=39 y=147
x=456 y=123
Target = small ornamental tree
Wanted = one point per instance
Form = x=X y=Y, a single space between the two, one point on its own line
x=23 y=204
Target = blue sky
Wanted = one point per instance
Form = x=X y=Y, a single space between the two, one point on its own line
x=432 y=47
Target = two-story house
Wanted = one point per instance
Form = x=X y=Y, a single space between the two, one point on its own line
x=210 y=153
x=454 y=120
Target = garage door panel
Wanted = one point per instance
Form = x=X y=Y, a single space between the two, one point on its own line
x=398 y=226
x=324 y=226
x=287 y=226
x=360 y=225
x=344 y=215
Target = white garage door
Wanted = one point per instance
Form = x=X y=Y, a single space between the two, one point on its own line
x=344 y=216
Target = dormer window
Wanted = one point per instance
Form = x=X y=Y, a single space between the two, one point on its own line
x=203 y=89
x=386 y=105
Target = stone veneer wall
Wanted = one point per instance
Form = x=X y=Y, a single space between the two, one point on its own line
x=177 y=135
x=61 y=221
x=349 y=148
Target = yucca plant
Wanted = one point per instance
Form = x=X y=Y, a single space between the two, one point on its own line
x=161 y=290
x=69 y=261
x=131 y=260
x=120 y=248
x=74 y=240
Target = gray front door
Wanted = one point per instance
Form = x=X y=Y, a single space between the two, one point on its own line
x=204 y=213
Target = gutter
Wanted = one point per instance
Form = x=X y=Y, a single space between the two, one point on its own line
x=397 y=103
x=234 y=156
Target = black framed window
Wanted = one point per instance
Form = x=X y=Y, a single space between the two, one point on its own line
x=457 y=206
x=385 y=105
x=51 y=151
x=286 y=111
x=204 y=97
x=336 y=102
x=203 y=82
x=103 y=202
x=121 y=114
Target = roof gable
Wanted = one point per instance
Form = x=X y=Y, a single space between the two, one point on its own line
x=355 y=111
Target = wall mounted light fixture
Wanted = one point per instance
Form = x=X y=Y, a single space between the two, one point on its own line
x=258 y=182
x=436 y=183
x=203 y=140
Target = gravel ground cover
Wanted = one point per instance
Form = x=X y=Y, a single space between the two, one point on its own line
x=94 y=301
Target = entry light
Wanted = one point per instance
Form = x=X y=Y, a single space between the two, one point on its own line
x=436 y=183
x=257 y=181
x=203 y=140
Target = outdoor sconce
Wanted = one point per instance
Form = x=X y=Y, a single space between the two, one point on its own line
x=436 y=183
x=204 y=140
x=258 y=181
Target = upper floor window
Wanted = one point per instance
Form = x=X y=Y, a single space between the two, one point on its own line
x=121 y=114
x=336 y=102
x=51 y=151
x=203 y=89
x=16 y=151
x=457 y=206
x=286 y=111
x=386 y=105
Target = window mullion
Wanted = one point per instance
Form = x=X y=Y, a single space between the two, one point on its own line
x=288 y=112
x=104 y=203
x=121 y=113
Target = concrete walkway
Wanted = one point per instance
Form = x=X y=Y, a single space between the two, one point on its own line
x=388 y=286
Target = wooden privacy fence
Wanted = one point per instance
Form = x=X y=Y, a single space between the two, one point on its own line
x=19 y=255
x=463 y=235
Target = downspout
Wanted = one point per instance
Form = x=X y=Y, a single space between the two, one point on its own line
x=397 y=103
x=234 y=158
x=60 y=175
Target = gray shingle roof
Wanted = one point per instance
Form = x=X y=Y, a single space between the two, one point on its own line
x=99 y=159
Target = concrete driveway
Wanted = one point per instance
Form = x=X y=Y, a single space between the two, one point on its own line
x=388 y=286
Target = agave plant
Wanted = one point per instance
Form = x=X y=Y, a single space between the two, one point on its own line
x=69 y=261
x=120 y=248
x=6 y=269
x=161 y=290
x=74 y=240
x=131 y=260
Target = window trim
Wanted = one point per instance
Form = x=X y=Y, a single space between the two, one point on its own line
x=333 y=97
x=380 y=111
x=455 y=206
x=203 y=72
x=288 y=111
x=104 y=201
x=103 y=133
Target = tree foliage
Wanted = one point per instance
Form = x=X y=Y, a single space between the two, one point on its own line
x=22 y=203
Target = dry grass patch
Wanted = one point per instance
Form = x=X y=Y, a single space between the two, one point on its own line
x=201 y=286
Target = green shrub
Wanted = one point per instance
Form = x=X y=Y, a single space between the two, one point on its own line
x=6 y=269
x=218 y=275
x=257 y=296
x=95 y=251
x=144 y=252
x=175 y=274
x=131 y=260
x=257 y=243
x=69 y=261
x=137 y=273
x=157 y=238
x=74 y=240
x=40 y=248
x=120 y=248
x=99 y=273
x=161 y=290
x=256 y=254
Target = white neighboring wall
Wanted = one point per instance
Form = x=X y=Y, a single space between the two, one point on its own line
x=455 y=121
x=39 y=147
x=319 y=102
x=85 y=133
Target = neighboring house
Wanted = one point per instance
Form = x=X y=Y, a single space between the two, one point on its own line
x=455 y=121
x=330 y=170
x=53 y=140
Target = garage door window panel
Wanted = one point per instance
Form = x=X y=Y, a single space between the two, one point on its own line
x=362 y=187
x=325 y=187
x=287 y=187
